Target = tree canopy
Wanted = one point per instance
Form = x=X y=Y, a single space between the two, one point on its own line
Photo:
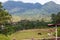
x=56 y=18
x=4 y=15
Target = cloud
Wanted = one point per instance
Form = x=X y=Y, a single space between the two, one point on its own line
x=10 y=0
x=34 y=1
x=3 y=0
x=40 y=1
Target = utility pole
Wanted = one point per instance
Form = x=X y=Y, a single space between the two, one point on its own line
x=56 y=32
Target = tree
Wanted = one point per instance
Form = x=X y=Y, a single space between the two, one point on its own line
x=5 y=17
x=53 y=18
x=56 y=18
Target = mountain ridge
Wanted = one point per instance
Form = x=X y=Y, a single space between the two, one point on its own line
x=22 y=7
x=25 y=10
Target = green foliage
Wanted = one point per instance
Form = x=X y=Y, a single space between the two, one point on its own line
x=26 y=24
x=4 y=15
x=56 y=17
x=53 y=18
x=9 y=29
x=3 y=37
x=4 y=18
x=58 y=32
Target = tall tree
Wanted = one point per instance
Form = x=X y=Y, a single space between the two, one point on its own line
x=53 y=17
x=4 y=15
x=4 y=18
x=56 y=17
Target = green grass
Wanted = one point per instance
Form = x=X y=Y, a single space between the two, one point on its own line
x=29 y=34
x=3 y=37
x=32 y=33
x=58 y=31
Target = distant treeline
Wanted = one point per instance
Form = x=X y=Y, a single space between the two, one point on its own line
x=26 y=24
x=22 y=25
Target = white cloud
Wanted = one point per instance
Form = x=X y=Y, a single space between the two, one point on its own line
x=34 y=1
x=40 y=1
x=3 y=0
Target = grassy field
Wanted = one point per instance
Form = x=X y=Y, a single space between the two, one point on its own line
x=3 y=37
x=29 y=34
x=58 y=31
x=33 y=33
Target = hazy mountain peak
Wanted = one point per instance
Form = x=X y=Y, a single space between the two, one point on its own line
x=50 y=3
x=37 y=3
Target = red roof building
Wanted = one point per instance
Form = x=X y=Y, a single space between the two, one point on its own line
x=57 y=24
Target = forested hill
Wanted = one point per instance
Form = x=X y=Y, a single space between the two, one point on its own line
x=31 y=10
x=18 y=7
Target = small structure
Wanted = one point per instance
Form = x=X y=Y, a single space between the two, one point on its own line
x=57 y=24
x=51 y=25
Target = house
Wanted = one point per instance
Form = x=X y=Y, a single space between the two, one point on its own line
x=57 y=24
x=51 y=25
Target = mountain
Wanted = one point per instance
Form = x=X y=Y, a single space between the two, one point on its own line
x=31 y=10
x=51 y=7
x=18 y=7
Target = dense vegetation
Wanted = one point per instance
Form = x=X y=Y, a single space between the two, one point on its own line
x=4 y=18
x=56 y=18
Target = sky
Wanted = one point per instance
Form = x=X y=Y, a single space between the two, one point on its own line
x=33 y=1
